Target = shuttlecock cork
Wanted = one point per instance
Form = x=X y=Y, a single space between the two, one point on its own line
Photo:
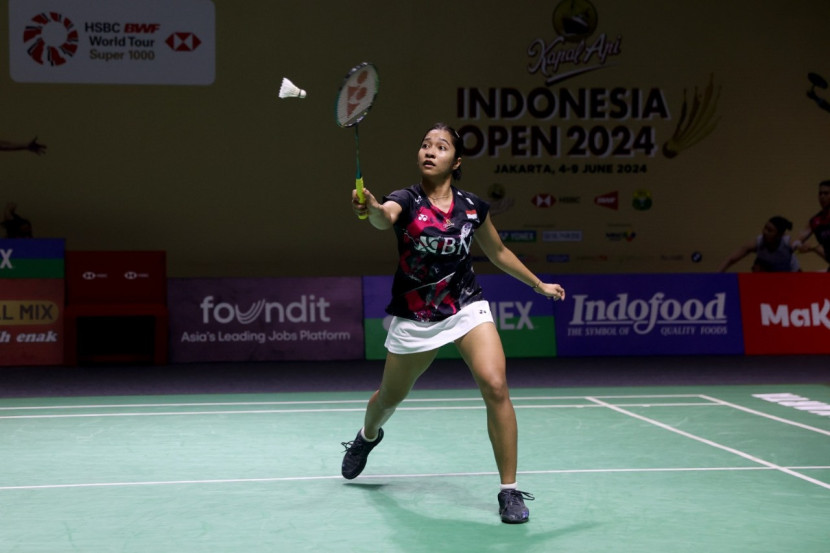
x=290 y=90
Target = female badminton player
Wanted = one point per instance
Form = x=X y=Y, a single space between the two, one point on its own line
x=437 y=300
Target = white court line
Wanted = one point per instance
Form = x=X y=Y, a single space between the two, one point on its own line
x=338 y=410
x=713 y=444
x=323 y=402
x=392 y=476
x=193 y=413
x=149 y=405
x=765 y=415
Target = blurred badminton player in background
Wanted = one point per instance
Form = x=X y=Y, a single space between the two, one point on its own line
x=437 y=300
x=819 y=224
x=772 y=248
x=31 y=146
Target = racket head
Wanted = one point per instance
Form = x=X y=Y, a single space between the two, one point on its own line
x=356 y=95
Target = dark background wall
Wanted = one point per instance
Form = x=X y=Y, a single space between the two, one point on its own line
x=232 y=181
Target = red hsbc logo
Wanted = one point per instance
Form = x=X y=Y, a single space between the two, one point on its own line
x=543 y=200
x=610 y=200
x=183 y=42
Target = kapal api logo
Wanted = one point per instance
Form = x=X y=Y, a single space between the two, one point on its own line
x=575 y=50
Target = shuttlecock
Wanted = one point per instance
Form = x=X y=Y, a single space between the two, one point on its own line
x=290 y=90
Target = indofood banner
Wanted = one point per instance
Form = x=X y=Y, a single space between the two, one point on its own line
x=525 y=319
x=265 y=319
x=649 y=315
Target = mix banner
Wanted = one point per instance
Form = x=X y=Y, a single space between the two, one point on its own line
x=31 y=301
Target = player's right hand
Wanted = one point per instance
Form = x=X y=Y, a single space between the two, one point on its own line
x=361 y=209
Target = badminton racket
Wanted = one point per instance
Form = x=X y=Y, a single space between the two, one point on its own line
x=354 y=99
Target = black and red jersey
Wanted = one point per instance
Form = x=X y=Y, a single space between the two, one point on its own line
x=435 y=276
x=820 y=225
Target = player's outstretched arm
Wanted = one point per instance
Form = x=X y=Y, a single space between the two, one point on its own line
x=503 y=258
x=737 y=255
x=32 y=146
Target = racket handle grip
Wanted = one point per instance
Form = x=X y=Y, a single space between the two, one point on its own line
x=358 y=184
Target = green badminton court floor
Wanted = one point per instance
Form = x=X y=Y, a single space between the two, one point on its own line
x=689 y=469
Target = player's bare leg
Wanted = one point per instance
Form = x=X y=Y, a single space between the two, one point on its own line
x=399 y=375
x=482 y=350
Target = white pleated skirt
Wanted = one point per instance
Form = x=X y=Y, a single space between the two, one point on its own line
x=408 y=336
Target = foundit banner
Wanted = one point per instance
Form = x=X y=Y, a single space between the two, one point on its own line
x=264 y=319
x=663 y=314
x=525 y=319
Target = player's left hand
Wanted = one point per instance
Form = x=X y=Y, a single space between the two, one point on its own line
x=551 y=290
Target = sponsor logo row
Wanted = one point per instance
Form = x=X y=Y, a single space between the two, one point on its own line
x=344 y=317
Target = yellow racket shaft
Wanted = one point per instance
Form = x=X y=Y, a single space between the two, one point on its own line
x=358 y=184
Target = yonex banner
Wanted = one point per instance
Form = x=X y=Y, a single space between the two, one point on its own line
x=524 y=318
x=112 y=41
x=265 y=319
x=32 y=258
x=31 y=301
x=786 y=313
x=663 y=314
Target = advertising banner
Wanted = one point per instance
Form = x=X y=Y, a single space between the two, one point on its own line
x=31 y=301
x=664 y=314
x=112 y=41
x=525 y=319
x=264 y=319
x=785 y=313
x=32 y=258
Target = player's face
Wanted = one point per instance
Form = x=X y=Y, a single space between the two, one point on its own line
x=769 y=232
x=824 y=196
x=436 y=158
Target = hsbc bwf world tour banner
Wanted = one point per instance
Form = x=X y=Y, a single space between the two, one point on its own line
x=112 y=41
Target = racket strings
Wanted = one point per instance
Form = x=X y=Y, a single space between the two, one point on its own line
x=357 y=95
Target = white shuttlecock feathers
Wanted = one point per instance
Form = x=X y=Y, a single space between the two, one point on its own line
x=290 y=90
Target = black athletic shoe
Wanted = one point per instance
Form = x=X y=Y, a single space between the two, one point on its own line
x=512 y=506
x=357 y=451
